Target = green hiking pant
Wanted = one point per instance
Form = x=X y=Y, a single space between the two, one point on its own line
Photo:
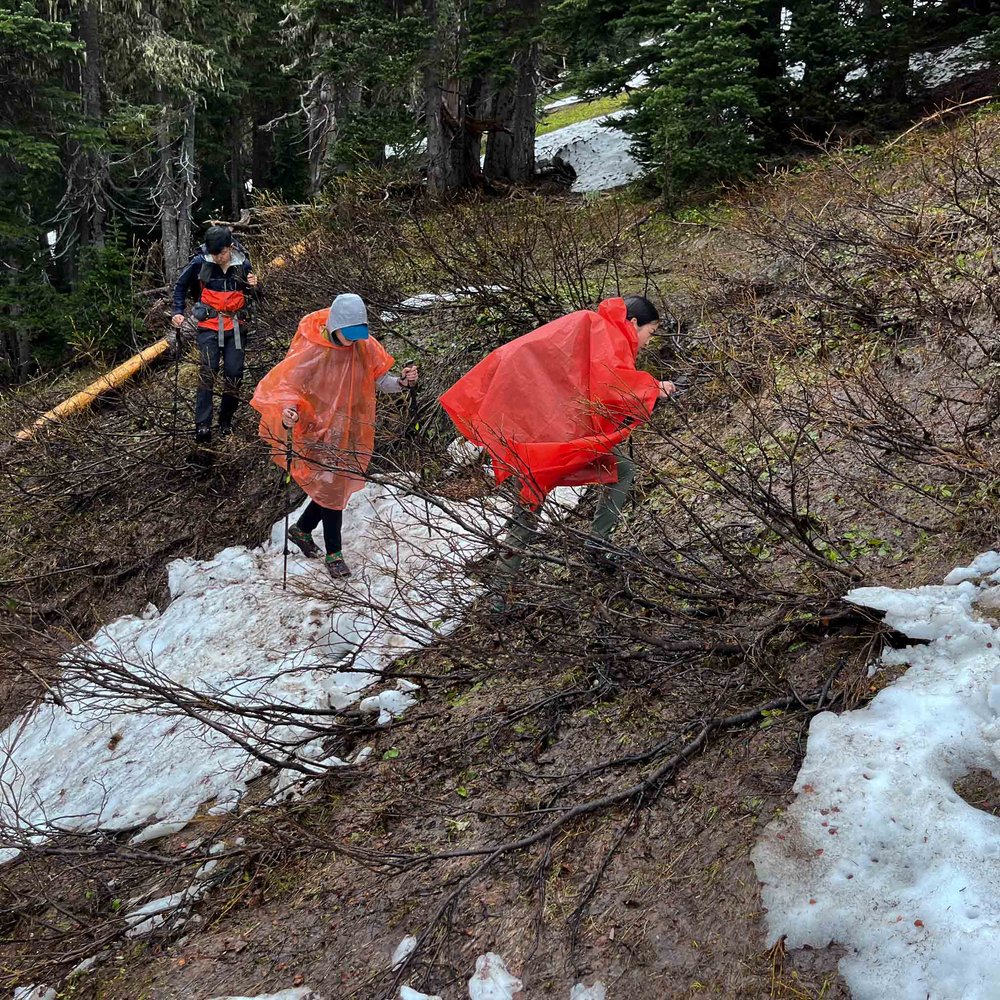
x=523 y=523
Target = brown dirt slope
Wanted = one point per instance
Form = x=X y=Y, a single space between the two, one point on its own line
x=582 y=781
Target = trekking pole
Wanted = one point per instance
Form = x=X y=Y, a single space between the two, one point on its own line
x=177 y=378
x=288 y=500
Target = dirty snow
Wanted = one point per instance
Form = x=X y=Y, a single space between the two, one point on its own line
x=492 y=981
x=403 y=950
x=230 y=636
x=408 y=993
x=295 y=993
x=581 y=992
x=878 y=853
x=600 y=156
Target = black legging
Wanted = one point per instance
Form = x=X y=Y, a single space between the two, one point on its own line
x=332 y=522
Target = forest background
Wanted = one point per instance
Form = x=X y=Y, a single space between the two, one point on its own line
x=125 y=126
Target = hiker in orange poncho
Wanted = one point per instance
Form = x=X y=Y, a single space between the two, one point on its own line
x=323 y=395
x=555 y=408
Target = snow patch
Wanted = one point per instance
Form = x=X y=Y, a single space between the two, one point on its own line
x=935 y=68
x=408 y=993
x=878 y=853
x=35 y=993
x=389 y=705
x=295 y=993
x=463 y=452
x=601 y=157
x=403 y=950
x=230 y=638
x=492 y=981
x=595 y=992
x=426 y=301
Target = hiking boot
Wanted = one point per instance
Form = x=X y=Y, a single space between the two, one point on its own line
x=336 y=566
x=300 y=537
x=202 y=434
x=225 y=429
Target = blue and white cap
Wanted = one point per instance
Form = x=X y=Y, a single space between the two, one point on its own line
x=349 y=315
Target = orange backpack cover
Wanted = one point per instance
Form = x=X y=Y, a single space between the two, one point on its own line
x=333 y=389
x=550 y=406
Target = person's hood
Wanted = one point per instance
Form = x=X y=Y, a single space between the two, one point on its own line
x=237 y=259
x=614 y=311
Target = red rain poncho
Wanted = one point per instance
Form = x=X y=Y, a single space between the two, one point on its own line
x=550 y=406
x=333 y=388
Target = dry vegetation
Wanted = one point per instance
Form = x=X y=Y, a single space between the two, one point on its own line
x=582 y=782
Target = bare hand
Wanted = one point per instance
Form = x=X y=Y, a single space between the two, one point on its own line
x=666 y=388
x=252 y=280
x=289 y=416
x=409 y=377
x=177 y=319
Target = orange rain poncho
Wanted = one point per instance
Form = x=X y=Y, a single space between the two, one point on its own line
x=333 y=388
x=550 y=406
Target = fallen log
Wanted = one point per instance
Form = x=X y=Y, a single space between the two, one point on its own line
x=111 y=380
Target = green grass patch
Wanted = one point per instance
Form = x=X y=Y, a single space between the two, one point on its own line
x=585 y=110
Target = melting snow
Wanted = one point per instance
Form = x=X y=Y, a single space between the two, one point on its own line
x=230 y=636
x=492 y=981
x=427 y=300
x=295 y=993
x=403 y=950
x=878 y=852
x=601 y=157
x=935 y=68
x=408 y=993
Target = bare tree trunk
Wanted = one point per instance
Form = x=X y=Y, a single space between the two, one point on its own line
x=168 y=196
x=188 y=189
x=321 y=124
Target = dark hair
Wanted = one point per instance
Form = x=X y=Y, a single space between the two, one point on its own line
x=218 y=238
x=641 y=310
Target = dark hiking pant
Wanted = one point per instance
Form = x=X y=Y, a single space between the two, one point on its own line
x=333 y=521
x=231 y=361
x=523 y=522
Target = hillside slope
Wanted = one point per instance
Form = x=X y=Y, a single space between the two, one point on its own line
x=580 y=785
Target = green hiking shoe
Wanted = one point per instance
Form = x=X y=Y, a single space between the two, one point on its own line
x=336 y=567
x=303 y=540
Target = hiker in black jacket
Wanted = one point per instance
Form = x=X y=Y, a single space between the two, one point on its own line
x=218 y=278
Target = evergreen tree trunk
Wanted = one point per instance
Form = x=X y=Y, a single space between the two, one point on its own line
x=510 y=150
x=94 y=211
x=237 y=188
x=901 y=44
x=444 y=102
x=774 y=122
x=261 y=154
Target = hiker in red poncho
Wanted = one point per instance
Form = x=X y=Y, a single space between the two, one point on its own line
x=323 y=396
x=555 y=408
